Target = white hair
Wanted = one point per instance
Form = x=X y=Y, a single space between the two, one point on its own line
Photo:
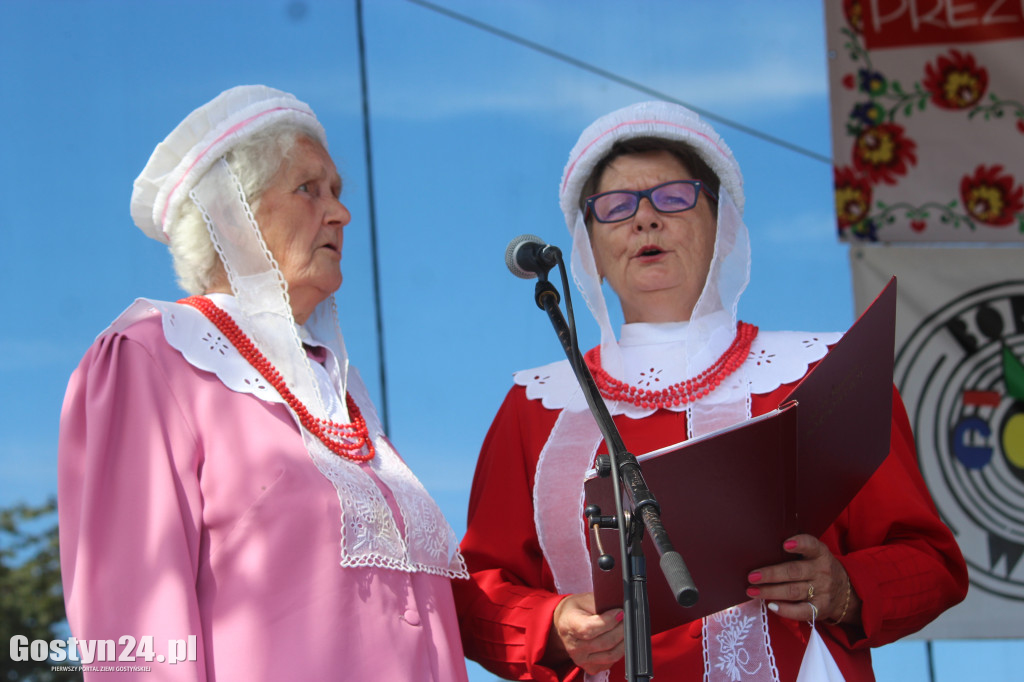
x=254 y=161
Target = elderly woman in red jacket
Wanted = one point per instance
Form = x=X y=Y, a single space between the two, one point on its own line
x=653 y=199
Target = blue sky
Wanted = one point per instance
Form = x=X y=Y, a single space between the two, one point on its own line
x=469 y=135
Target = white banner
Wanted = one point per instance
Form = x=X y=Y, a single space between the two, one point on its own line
x=959 y=354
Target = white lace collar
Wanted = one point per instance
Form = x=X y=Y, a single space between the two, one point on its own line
x=653 y=356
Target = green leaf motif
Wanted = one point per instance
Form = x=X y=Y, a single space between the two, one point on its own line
x=1013 y=374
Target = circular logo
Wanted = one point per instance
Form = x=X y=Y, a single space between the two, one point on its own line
x=961 y=374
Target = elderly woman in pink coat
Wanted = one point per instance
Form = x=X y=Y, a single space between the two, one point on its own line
x=230 y=508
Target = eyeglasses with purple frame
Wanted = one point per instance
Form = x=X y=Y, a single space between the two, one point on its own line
x=617 y=205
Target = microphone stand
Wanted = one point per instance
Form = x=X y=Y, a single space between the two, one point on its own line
x=636 y=619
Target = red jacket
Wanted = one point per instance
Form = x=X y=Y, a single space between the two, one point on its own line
x=903 y=561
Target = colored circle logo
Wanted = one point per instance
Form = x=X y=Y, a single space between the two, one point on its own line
x=961 y=374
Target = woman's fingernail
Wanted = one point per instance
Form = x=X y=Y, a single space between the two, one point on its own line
x=754 y=577
x=618 y=618
x=753 y=592
x=789 y=544
x=773 y=606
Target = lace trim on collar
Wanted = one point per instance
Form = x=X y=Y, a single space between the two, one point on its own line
x=775 y=358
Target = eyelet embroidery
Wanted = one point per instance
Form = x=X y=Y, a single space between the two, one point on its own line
x=763 y=357
x=811 y=342
x=256 y=382
x=649 y=377
x=217 y=342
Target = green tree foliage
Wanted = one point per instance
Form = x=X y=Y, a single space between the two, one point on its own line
x=31 y=598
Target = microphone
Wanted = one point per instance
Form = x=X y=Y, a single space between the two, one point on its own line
x=527 y=256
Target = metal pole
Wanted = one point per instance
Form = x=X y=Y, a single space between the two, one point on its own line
x=374 y=256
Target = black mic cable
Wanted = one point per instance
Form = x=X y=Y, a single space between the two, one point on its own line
x=528 y=257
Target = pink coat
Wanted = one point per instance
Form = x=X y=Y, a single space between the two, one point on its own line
x=189 y=509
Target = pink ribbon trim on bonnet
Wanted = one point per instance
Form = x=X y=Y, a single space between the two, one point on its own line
x=597 y=139
x=230 y=131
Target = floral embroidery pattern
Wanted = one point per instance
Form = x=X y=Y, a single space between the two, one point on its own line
x=733 y=657
x=854 y=13
x=991 y=197
x=883 y=153
x=955 y=81
x=431 y=536
x=853 y=202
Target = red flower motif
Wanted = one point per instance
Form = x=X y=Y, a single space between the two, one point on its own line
x=990 y=196
x=849 y=82
x=854 y=12
x=918 y=225
x=853 y=197
x=955 y=81
x=883 y=153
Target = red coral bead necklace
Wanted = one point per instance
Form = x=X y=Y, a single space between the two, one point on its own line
x=344 y=440
x=679 y=393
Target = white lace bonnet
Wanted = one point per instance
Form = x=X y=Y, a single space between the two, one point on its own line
x=709 y=333
x=189 y=164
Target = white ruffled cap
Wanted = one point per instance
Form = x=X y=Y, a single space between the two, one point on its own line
x=662 y=120
x=205 y=135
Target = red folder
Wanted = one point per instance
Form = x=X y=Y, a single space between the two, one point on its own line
x=729 y=499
